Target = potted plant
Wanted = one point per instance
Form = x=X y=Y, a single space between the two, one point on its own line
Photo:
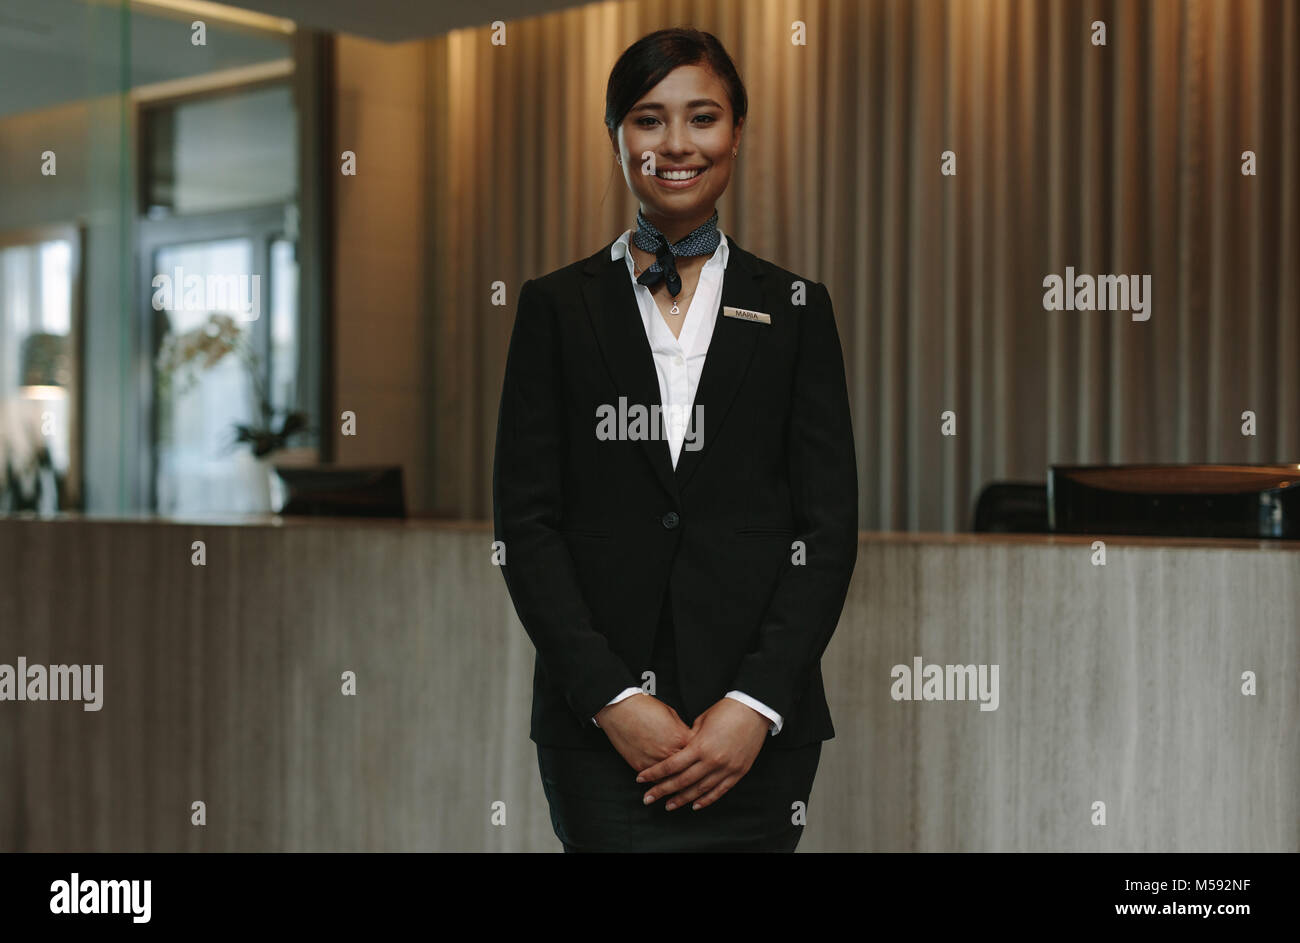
x=184 y=356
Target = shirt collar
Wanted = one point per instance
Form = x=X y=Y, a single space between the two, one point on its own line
x=621 y=249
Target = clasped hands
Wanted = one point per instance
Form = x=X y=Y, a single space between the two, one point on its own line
x=693 y=765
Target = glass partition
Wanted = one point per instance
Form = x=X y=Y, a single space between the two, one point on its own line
x=65 y=204
x=127 y=150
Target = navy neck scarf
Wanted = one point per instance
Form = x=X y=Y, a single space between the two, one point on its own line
x=702 y=241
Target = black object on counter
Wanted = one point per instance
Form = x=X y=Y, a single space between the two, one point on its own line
x=1252 y=501
x=344 y=492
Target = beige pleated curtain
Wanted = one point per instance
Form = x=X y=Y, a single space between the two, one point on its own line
x=1115 y=159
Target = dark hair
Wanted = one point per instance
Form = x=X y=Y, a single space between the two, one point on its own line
x=646 y=62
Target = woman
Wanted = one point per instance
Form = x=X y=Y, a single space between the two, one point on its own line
x=675 y=489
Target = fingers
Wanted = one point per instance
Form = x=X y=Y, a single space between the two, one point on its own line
x=679 y=761
x=687 y=778
x=717 y=793
x=647 y=748
x=705 y=785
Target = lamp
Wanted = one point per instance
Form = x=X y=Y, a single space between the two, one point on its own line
x=46 y=367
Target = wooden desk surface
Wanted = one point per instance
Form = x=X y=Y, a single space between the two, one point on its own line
x=469 y=527
x=1120 y=684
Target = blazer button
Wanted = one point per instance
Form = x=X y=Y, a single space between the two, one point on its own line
x=671 y=520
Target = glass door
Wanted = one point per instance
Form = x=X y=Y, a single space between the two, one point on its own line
x=222 y=296
x=207 y=376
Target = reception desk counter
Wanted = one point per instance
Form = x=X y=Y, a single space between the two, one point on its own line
x=1147 y=704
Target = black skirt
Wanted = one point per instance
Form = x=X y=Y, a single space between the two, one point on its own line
x=596 y=802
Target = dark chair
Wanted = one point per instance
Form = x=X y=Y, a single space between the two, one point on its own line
x=1012 y=507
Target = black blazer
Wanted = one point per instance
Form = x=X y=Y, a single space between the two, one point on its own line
x=595 y=531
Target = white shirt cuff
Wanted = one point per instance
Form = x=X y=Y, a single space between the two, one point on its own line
x=625 y=693
x=759 y=706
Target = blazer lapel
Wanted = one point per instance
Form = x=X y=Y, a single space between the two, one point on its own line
x=616 y=320
x=730 y=349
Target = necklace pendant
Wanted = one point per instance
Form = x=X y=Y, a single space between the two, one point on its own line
x=674 y=309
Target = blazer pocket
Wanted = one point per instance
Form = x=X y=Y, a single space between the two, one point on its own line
x=587 y=534
x=764 y=532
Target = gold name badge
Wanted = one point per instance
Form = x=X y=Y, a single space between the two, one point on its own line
x=745 y=315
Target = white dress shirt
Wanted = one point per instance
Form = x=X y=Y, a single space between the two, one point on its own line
x=679 y=362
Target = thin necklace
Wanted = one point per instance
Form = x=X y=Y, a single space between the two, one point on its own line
x=636 y=272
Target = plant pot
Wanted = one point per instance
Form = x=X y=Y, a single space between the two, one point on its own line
x=277 y=493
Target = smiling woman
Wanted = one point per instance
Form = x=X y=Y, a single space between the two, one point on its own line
x=669 y=652
x=675 y=126
x=674 y=112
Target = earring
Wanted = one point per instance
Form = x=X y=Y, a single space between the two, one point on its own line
x=620 y=161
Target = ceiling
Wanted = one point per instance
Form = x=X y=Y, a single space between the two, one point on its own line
x=398 y=20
